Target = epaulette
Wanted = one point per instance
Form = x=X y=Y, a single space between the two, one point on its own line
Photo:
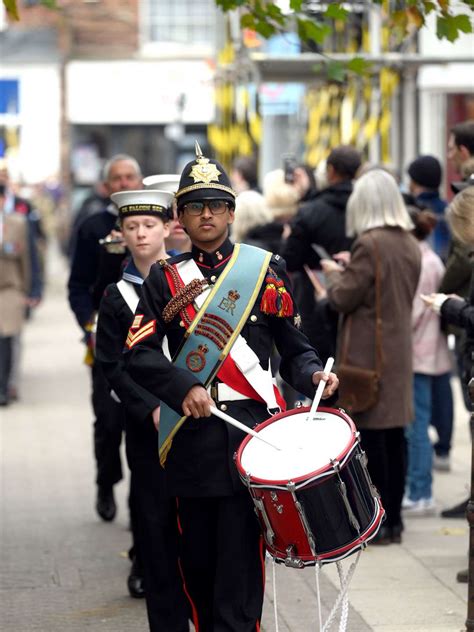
x=276 y=300
x=184 y=256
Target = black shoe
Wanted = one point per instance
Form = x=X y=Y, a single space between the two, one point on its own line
x=396 y=534
x=105 y=504
x=4 y=401
x=458 y=511
x=135 y=582
x=463 y=576
x=383 y=537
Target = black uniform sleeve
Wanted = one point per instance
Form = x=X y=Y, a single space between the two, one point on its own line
x=82 y=277
x=112 y=329
x=145 y=359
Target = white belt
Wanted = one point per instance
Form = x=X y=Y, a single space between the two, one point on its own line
x=224 y=393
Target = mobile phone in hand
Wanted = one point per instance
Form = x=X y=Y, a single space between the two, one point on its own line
x=289 y=165
x=320 y=251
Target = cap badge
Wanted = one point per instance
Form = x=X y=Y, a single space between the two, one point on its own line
x=203 y=171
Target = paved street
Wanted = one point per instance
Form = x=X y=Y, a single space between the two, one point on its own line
x=63 y=570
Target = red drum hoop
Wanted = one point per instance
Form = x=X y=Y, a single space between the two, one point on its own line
x=326 y=508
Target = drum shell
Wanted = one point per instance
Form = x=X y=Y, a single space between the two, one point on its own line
x=311 y=514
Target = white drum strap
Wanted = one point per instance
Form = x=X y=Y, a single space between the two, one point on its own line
x=275 y=607
x=132 y=299
x=342 y=600
x=244 y=357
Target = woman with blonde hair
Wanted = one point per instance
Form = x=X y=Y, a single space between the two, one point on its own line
x=251 y=212
x=374 y=293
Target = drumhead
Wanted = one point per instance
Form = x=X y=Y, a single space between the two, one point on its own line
x=307 y=445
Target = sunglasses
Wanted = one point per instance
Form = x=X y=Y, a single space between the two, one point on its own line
x=217 y=207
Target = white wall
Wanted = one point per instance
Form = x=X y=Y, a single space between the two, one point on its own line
x=39 y=120
x=141 y=92
x=436 y=81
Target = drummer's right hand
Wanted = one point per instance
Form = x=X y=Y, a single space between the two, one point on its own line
x=197 y=402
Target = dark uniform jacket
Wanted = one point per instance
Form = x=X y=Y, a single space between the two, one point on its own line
x=115 y=318
x=200 y=462
x=85 y=264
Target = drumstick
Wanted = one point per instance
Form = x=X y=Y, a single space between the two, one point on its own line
x=233 y=422
x=320 y=389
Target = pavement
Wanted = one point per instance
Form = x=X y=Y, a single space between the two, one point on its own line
x=64 y=570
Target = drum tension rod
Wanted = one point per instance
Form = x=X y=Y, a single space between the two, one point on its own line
x=343 y=491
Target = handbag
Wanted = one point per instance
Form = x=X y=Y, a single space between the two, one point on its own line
x=358 y=387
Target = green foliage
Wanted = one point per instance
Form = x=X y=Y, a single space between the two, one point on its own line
x=449 y=26
x=267 y=18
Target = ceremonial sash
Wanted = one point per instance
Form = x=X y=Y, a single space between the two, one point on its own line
x=216 y=327
x=241 y=370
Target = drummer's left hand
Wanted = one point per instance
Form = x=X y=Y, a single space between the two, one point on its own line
x=332 y=382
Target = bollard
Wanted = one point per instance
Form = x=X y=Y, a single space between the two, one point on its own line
x=470 y=519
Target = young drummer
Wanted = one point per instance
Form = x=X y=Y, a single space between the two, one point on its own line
x=144 y=218
x=201 y=301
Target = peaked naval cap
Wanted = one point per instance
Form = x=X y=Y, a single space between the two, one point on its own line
x=163 y=182
x=204 y=179
x=145 y=202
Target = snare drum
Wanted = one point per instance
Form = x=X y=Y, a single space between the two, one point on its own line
x=314 y=498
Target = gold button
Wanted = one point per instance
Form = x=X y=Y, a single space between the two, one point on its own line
x=213 y=278
x=253 y=318
x=181 y=324
x=223 y=407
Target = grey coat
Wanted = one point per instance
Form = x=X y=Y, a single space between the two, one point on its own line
x=353 y=292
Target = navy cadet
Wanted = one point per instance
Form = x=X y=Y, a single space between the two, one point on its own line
x=144 y=218
x=202 y=301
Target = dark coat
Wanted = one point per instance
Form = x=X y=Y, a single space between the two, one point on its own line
x=115 y=318
x=461 y=314
x=200 y=462
x=269 y=237
x=321 y=221
x=85 y=264
x=352 y=292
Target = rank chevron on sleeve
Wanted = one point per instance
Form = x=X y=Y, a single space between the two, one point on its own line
x=134 y=337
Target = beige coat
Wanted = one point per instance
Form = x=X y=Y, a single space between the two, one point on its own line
x=353 y=292
x=14 y=272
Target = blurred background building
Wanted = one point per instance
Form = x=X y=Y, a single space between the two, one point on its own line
x=97 y=77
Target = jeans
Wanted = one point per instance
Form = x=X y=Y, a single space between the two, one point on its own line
x=442 y=412
x=420 y=450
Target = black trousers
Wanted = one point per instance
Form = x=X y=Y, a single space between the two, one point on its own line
x=155 y=530
x=108 y=428
x=223 y=562
x=387 y=463
x=6 y=359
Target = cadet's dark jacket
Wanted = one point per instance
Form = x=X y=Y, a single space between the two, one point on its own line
x=85 y=264
x=200 y=462
x=115 y=318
